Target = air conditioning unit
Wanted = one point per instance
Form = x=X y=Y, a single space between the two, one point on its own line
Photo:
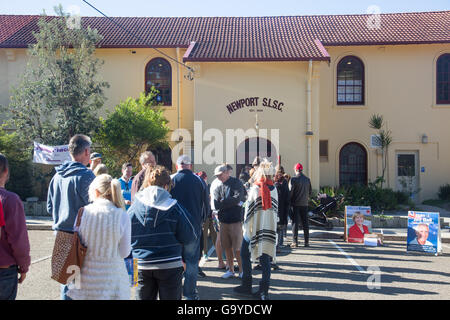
x=375 y=141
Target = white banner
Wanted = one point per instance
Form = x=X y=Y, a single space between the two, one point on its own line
x=50 y=155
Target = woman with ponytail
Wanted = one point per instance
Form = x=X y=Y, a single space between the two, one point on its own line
x=260 y=226
x=106 y=231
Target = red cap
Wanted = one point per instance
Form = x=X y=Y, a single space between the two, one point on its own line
x=202 y=174
x=298 y=167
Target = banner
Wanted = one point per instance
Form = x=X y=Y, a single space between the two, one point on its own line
x=357 y=223
x=50 y=155
x=424 y=232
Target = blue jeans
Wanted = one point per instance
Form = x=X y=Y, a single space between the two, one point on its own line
x=264 y=260
x=8 y=283
x=191 y=256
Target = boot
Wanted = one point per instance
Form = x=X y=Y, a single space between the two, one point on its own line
x=245 y=289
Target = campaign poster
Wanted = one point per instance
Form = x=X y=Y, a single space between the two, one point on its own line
x=132 y=269
x=358 y=222
x=55 y=155
x=423 y=232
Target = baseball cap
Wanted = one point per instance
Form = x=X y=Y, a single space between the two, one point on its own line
x=298 y=167
x=184 y=159
x=202 y=174
x=220 y=169
x=95 y=155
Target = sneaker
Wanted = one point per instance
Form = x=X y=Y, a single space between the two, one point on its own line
x=243 y=290
x=228 y=275
x=257 y=267
x=306 y=244
x=205 y=257
x=294 y=245
x=201 y=273
x=258 y=295
x=264 y=296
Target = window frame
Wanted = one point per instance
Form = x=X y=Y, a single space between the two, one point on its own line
x=170 y=102
x=441 y=102
x=363 y=84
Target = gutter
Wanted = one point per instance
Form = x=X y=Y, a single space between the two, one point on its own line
x=309 y=132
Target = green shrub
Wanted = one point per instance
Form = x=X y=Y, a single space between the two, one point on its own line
x=402 y=197
x=372 y=195
x=444 y=192
x=20 y=166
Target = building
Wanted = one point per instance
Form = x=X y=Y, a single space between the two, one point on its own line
x=312 y=82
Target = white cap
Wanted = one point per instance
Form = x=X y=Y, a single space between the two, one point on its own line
x=183 y=159
x=220 y=169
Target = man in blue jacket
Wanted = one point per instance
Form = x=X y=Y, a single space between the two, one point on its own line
x=68 y=189
x=190 y=192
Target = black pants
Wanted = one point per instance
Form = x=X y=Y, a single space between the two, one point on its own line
x=300 y=214
x=166 y=282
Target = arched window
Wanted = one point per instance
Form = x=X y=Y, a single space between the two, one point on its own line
x=353 y=164
x=443 y=79
x=158 y=73
x=350 y=81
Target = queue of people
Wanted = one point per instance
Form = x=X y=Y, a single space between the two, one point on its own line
x=164 y=221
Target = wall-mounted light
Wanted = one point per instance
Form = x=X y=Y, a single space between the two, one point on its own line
x=424 y=139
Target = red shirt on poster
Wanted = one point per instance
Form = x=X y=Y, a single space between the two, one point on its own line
x=356 y=235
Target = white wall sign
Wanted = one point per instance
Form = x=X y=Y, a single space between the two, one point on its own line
x=50 y=155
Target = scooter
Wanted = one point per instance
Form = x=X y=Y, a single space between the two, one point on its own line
x=318 y=217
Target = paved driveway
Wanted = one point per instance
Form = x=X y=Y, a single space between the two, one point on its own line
x=329 y=269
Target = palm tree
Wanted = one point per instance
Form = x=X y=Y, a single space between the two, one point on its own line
x=384 y=139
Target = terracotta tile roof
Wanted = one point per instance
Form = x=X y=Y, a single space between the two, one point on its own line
x=249 y=38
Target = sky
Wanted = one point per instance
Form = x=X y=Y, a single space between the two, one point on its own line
x=222 y=8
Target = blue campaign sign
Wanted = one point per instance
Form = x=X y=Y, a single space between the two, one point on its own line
x=423 y=232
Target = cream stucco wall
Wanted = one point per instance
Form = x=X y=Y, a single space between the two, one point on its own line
x=124 y=70
x=400 y=85
x=219 y=84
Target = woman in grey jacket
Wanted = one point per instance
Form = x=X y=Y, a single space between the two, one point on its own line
x=160 y=226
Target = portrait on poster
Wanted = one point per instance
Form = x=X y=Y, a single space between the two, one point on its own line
x=358 y=223
x=423 y=232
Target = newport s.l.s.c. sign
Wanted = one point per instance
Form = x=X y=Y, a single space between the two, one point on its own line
x=255 y=104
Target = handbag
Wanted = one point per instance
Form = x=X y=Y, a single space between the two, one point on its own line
x=68 y=254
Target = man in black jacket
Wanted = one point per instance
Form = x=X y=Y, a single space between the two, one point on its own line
x=191 y=193
x=228 y=200
x=299 y=193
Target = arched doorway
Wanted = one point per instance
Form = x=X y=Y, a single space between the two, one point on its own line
x=250 y=148
x=352 y=164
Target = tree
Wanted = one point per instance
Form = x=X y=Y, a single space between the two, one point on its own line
x=59 y=94
x=136 y=125
x=20 y=179
x=384 y=138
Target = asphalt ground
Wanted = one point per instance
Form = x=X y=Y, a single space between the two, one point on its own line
x=328 y=269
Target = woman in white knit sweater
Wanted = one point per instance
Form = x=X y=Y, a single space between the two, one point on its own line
x=106 y=231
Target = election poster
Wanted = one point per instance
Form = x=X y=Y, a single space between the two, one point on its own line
x=358 y=222
x=132 y=270
x=424 y=232
x=55 y=155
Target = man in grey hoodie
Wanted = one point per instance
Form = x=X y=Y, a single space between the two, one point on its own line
x=68 y=189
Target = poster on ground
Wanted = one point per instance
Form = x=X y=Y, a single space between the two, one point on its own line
x=424 y=232
x=55 y=155
x=358 y=222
